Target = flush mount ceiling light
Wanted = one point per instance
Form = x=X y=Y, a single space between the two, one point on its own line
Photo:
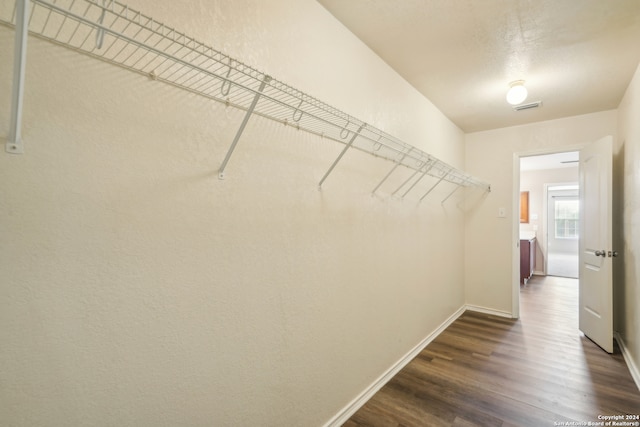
x=517 y=93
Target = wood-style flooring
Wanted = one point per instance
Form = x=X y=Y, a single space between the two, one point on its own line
x=485 y=370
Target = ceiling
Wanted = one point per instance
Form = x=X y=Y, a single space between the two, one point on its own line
x=576 y=56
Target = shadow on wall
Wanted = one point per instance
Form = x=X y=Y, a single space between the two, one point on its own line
x=540 y=255
x=474 y=198
x=619 y=264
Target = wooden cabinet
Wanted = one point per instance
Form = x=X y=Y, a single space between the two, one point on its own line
x=527 y=258
x=524 y=207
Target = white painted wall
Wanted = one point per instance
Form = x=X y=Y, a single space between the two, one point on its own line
x=534 y=182
x=136 y=289
x=490 y=241
x=627 y=182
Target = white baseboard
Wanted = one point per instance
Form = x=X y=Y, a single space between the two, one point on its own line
x=633 y=368
x=491 y=311
x=346 y=412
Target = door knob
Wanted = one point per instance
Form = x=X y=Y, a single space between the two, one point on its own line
x=601 y=253
x=613 y=254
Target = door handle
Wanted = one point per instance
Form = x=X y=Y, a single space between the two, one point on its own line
x=601 y=253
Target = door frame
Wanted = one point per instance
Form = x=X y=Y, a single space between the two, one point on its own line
x=515 y=223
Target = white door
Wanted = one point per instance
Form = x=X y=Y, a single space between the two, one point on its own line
x=596 y=269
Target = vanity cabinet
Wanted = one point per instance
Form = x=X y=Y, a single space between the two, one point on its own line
x=527 y=258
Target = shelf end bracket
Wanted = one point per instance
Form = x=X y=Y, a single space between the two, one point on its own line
x=14 y=143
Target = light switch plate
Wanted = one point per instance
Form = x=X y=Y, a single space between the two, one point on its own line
x=502 y=213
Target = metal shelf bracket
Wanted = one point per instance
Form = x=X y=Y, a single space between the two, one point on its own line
x=434 y=186
x=377 y=147
x=450 y=194
x=100 y=30
x=14 y=143
x=344 y=150
x=265 y=80
x=427 y=169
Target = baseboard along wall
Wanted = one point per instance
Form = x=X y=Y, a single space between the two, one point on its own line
x=633 y=368
x=353 y=406
x=491 y=311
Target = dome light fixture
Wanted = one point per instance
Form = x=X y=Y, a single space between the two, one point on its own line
x=517 y=93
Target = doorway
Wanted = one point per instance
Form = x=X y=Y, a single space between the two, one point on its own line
x=550 y=181
x=595 y=229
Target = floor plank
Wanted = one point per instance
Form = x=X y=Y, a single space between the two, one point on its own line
x=486 y=370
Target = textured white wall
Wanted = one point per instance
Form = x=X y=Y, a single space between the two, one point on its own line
x=490 y=240
x=138 y=289
x=627 y=295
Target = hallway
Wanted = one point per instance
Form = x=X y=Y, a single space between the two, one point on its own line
x=563 y=265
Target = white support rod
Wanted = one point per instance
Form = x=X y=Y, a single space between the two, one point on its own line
x=344 y=150
x=386 y=177
x=416 y=172
x=434 y=186
x=391 y=171
x=14 y=143
x=100 y=31
x=450 y=194
x=419 y=179
x=242 y=126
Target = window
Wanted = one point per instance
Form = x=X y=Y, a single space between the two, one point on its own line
x=567 y=216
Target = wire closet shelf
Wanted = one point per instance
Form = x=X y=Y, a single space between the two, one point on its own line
x=113 y=32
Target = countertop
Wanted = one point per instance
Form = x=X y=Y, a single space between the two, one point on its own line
x=527 y=235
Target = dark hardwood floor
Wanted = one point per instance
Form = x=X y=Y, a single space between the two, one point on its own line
x=486 y=370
